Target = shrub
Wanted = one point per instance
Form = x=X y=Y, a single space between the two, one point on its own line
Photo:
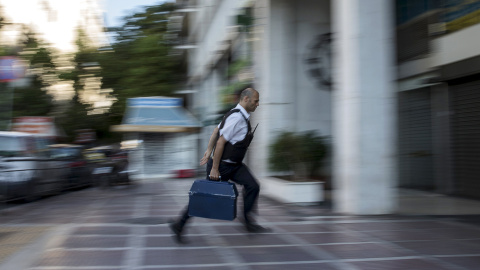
x=298 y=154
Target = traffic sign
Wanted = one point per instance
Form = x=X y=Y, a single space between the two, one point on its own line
x=11 y=68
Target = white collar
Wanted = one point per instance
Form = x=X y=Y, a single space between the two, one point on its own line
x=244 y=112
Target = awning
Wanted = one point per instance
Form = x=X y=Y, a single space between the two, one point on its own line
x=156 y=114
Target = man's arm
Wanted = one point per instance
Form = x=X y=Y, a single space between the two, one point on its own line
x=214 y=173
x=209 y=150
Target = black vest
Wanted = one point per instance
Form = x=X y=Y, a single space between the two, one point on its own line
x=236 y=152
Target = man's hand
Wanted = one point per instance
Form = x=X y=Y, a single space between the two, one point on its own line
x=205 y=158
x=211 y=143
x=214 y=174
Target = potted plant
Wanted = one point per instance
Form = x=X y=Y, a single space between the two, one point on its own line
x=296 y=159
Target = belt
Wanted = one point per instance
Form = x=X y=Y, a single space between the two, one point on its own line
x=226 y=163
x=230 y=163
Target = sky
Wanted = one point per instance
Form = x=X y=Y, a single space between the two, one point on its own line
x=56 y=20
x=116 y=9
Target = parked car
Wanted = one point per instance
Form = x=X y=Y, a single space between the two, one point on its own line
x=110 y=165
x=79 y=170
x=26 y=168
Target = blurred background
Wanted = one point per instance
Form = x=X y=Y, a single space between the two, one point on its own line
x=364 y=99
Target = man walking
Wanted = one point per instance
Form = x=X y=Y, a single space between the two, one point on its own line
x=229 y=142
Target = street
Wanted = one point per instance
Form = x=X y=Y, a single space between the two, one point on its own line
x=125 y=227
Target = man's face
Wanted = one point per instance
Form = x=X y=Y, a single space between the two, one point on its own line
x=252 y=103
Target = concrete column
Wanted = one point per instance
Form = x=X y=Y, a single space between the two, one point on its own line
x=275 y=57
x=441 y=139
x=364 y=118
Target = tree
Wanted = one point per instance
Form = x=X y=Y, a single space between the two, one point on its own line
x=34 y=99
x=139 y=62
x=83 y=74
x=300 y=155
x=31 y=99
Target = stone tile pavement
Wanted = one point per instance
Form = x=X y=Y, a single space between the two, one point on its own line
x=126 y=228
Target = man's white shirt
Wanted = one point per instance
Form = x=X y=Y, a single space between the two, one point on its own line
x=235 y=127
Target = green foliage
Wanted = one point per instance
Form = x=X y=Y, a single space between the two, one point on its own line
x=136 y=64
x=139 y=62
x=284 y=152
x=5 y=106
x=245 y=18
x=299 y=153
x=33 y=99
x=237 y=66
x=229 y=95
x=76 y=115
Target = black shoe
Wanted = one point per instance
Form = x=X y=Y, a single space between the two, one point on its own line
x=255 y=228
x=177 y=230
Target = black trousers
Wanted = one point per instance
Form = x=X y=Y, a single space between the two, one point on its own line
x=240 y=174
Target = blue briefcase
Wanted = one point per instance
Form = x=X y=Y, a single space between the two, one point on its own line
x=213 y=199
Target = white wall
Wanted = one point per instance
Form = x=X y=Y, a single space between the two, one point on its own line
x=289 y=99
x=280 y=101
x=135 y=157
x=465 y=42
x=443 y=53
x=209 y=104
x=185 y=154
x=211 y=26
x=160 y=154
x=365 y=108
x=313 y=100
x=257 y=154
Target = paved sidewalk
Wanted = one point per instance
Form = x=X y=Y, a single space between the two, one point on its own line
x=125 y=228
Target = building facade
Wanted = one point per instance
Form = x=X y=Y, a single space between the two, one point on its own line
x=394 y=84
x=438 y=83
x=278 y=47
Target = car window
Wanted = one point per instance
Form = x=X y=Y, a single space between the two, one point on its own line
x=31 y=147
x=64 y=152
x=13 y=146
x=42 y=147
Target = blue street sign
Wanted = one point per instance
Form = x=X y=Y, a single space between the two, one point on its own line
x=11 y=68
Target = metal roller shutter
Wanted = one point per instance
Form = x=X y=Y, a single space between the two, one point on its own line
x=415 y=140
x=465 y=121
x=159 y=153
x=154 y=153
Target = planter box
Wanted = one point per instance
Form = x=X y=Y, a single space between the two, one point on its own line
x=292 y=192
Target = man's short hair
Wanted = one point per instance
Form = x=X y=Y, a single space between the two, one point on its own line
x=247 y=92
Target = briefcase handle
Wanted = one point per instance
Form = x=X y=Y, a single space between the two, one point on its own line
x=219 y=179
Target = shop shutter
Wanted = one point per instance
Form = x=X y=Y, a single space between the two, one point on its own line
x=154 y=153
x=465 y=121
x=415 y=140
